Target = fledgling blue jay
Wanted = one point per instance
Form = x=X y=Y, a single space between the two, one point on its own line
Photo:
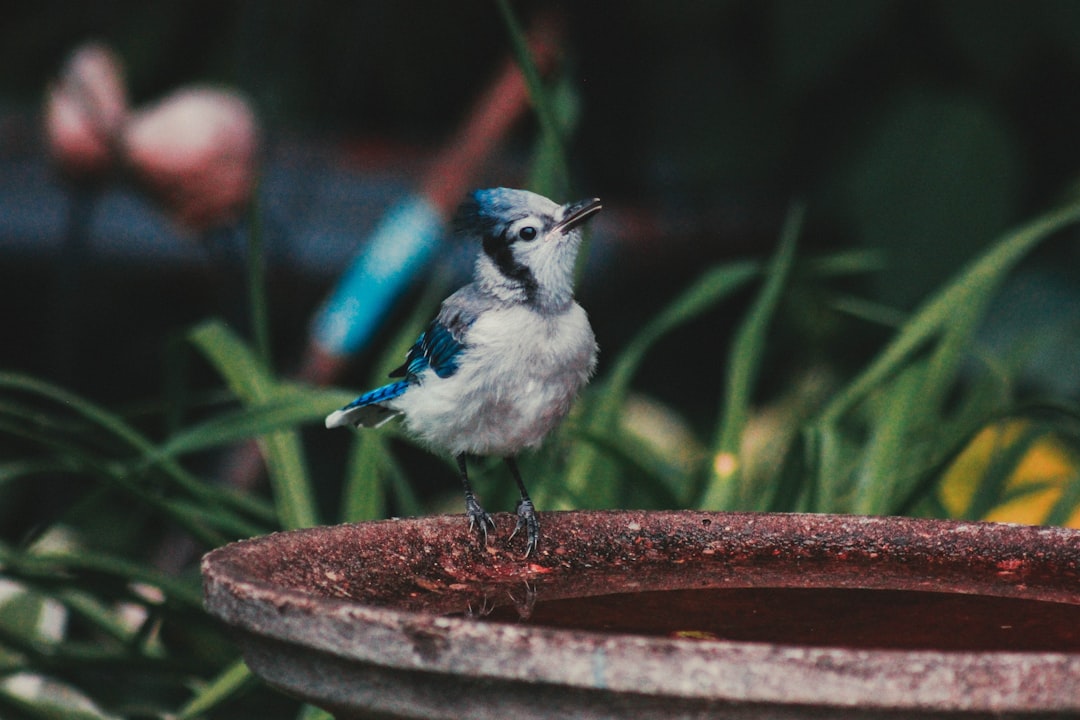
x=503 y=360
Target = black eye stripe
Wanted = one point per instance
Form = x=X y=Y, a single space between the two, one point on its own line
x=499 y=251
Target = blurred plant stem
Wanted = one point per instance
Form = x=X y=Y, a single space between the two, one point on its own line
x=256 y=281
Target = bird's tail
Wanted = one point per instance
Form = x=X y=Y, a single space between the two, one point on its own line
x=366 y=410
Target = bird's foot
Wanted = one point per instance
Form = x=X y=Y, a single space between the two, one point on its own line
x=527 y=521
x=478 y=517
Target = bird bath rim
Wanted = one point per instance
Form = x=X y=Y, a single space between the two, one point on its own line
x=288 y=595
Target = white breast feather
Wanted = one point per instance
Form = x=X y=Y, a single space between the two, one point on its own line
x=514 y=383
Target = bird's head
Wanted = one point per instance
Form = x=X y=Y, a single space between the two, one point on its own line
x=529 y=244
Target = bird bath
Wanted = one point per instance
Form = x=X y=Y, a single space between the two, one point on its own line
x=662 y=614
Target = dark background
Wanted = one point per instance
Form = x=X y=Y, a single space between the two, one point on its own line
x=920 y=129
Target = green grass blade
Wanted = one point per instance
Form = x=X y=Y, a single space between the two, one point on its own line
x=245 y=376
x=796 y=486
x=294 y=497
x=109 y=426
x=904 y=396
x=19 y=469
x=545 y=112
x=1067 y=504
x=232 y=680
x=713 y=287
x=119 y=476
x=279 y=413
x=102 y=427
x=310 y=712
x=256 y=281
x=889 y=440
x=658 y=481
x=1005 y=458
x=364 y=497
x=724 y=490
x=868 y=311
x=589 y=474
x=100 y=617
x=408 y=503
x=844 y=262
x=54 y=566
x=969 y=292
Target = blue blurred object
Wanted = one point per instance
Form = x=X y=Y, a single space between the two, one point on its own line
x=399 y=248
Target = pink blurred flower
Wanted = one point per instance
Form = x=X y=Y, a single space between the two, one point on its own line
x=85 y=111
x=196 y=152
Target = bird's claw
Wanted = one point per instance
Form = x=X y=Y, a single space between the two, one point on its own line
x=478 y=517
x=527 y=521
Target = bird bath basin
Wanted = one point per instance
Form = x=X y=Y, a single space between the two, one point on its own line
x=662 y=614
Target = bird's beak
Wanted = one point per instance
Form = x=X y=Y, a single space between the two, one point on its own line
x=576 y=213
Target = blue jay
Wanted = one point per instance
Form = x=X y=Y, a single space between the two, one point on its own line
x=503 y=360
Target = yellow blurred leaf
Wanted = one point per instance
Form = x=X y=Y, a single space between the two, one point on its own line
x=1035 y=482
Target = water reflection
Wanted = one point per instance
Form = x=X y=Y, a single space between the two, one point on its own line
x=826 y=617
x=521 y=598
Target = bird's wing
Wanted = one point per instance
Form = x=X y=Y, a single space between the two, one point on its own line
x=366 y=410
x=438 y=348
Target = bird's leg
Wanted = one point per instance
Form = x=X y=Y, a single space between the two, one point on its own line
x=526 y=513
x=476 y=514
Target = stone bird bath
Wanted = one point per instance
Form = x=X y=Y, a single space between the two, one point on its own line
x=662 y=614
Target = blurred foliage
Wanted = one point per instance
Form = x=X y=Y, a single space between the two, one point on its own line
x=1014 y=471
x=929 y=426
x=923 y=419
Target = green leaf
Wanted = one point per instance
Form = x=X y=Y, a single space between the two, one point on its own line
x=39 y=568
x=1066 y=505
x=256 y=281
x=957 y=307
x=104 y=429
x=723 y=490
x=890 y=439
x=590 y=475
x=908 y=411
x=545 y=112
x=249 y=380
x=228 y=683
x=369 y=463
x=310 y=712
x=280 y=413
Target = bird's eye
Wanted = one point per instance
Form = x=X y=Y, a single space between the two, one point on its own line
x=527 y=233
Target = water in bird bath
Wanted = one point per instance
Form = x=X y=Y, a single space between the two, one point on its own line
x=832 y=617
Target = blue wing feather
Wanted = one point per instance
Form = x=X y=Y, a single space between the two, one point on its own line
x=436 y=348
x=366 y=411
x=439 y=347
x=378 y=395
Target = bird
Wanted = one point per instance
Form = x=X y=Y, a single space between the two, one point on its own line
x=500 y=365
